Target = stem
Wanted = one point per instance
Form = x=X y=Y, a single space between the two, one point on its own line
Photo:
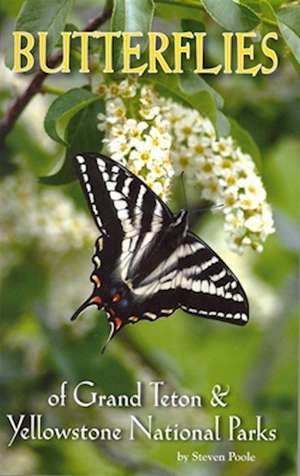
x=18 y=105
x=267 y=21
x=48 y=89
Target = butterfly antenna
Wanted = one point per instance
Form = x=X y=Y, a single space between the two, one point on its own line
x=183 y=189
x=202 y=209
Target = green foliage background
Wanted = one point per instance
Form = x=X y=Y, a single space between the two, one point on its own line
x=258 y=361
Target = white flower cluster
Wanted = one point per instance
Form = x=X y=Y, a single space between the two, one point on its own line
x=224 y=174
x=136 y=134
x=156 y=138
x=45 y=217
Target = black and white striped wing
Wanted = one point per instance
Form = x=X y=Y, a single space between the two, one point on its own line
x=125 y=210
x=196 y=279
x=206 y=286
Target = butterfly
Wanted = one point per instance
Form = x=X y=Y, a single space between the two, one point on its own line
x=147 y=262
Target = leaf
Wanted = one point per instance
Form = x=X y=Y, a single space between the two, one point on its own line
x=245 y=141
x=203 y=101
x=192 y=25
x=193 y=83
x=43 y=15
x=83 y=136
x=131 y=16
x=11 y=8
x=176 y=11
x=289 y=24
x=63 y=109
x=267 y=10
x=223 y=125
x=231 y=16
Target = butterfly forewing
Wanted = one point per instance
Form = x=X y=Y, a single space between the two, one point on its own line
x=123 y=207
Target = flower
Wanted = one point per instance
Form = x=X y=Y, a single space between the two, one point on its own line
x=223 y=146
x=137 y=134
x=41 y=216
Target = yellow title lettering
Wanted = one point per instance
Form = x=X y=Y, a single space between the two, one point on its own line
x=243 y=51
x=23 y=51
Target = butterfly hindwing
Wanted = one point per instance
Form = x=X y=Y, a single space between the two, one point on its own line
x=207 y=286
x=196 y=279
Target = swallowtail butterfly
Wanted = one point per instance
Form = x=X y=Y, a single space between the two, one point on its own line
x=147 y=263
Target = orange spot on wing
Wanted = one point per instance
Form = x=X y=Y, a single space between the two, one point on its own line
x=116 y=297
x=118 y=322
x=96 y=300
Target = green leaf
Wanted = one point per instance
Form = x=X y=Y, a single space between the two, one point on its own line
x=193 y=83
x=83 y=136
x=131 y=16
x=203 y=101
x=231 y=16
x=11 y=8
x=289 y=25
x=192 y=25
x=291 y=17
x=245 y=141
x=63 y=109
x=223 y=125
x=43 y=15
x=169 y=10
x=267 y=10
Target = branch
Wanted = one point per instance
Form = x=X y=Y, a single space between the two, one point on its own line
x=18 y=105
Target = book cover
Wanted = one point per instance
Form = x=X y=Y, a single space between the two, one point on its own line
x=149 y=236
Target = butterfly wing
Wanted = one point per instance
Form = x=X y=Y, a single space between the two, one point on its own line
x=115 y=195
x=196 y=279
x=124 y=209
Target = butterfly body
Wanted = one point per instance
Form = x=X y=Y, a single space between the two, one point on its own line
x=147 y=263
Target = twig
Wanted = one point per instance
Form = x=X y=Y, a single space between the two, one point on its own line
x=18 y=105
x=47 y=89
